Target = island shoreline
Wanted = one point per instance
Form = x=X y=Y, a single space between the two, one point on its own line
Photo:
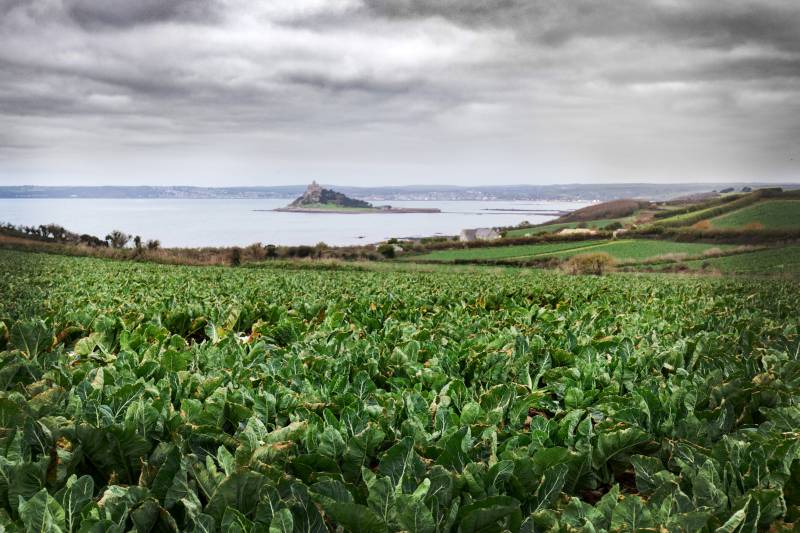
x=356 y=211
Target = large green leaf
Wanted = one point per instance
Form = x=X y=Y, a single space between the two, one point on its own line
x=235 y=522
x=706 y=489
x=32 y=337
x=282 y=522
x=550 y=487
x=167 y=473
x=331 y=443
x=42 y=514
x=403 y=466
x=150 y=516
x=113 y=450
x=332 y=489
x=456 y=450
x=117 y=502
x=617 y=444
x=412 y=513
x=24 y=481
x=381 y=496
x=181 y=491
x=650 y=473
x=77 y=494
x=359 y=448
x=203 y=523
x=354 y=517
x=495 y=513
x=241 y=491
x=630 y=514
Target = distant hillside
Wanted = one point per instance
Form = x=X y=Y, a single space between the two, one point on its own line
x=763 y=209
x=767 y=214
x=606 y=210
x=315 y=195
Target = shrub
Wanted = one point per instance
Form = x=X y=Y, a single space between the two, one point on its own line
x=153 y=244
x=595 y=264
x=91 y=240
x=613 y=226
x=236 y=257
x=118 y=239
x=386 y=250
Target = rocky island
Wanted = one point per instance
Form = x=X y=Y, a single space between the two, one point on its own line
x=319 y=200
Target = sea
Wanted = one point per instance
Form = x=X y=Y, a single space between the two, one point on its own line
x=190 y=223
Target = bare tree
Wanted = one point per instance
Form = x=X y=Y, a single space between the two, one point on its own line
x=118 y=239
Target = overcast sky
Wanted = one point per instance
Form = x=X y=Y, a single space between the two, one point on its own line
x=237 y=92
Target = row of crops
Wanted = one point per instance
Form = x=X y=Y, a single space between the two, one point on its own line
x=140 y=397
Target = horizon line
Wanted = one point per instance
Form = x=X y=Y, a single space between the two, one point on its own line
x=419 y=185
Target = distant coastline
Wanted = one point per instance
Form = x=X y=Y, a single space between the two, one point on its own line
x=574 y=192
x=355 y=210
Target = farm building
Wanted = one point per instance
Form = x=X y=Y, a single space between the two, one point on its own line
x=479 y=234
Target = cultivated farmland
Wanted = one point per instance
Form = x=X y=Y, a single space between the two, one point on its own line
x=156 y=398
x=633 y=249
x=773 y=214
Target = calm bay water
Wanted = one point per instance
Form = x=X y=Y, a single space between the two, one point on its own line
x=194 y=223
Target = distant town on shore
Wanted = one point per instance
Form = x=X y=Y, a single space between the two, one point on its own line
x=572 y=192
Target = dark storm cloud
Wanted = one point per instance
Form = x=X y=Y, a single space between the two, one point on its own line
x=535 y=85
x=126 y=13
x=711 y=23
x=326 y=82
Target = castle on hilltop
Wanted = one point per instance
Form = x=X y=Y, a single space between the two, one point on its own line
x=316 y=195
x=314 y=188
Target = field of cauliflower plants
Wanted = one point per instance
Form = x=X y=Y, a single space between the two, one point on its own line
x=140 y=397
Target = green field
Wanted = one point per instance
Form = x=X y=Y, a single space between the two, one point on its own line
x=642 y=249
x=625 y=249
x=677 y=219
x=143 y=397
x=505 y=252
x=772 y=214
x=535 y=230
x=772 y=261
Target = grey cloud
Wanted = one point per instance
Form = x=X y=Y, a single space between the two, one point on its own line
x=530 y=85
x=554 y=22
x=126 y=13
x=363 y=83
x=764 y=70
